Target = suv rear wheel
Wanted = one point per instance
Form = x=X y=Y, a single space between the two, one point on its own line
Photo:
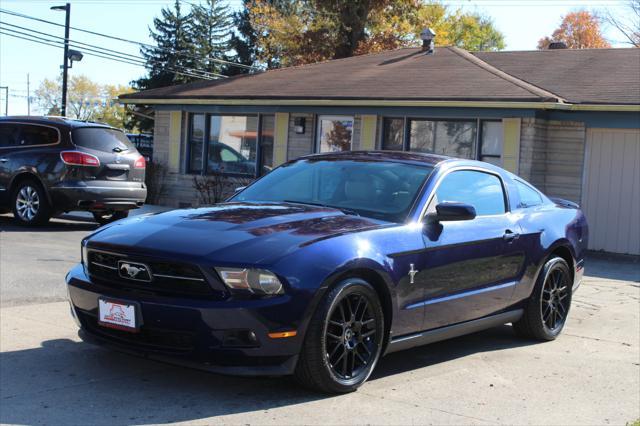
x=30 y=204
x=109 y=216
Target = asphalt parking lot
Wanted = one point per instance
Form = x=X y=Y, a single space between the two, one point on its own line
x=590 y=375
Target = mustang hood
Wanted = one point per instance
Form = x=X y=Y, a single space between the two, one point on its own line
x=229 y=232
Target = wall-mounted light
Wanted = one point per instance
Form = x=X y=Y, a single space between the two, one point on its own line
x=299 y=123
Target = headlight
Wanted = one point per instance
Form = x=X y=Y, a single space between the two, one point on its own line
x=258 y=281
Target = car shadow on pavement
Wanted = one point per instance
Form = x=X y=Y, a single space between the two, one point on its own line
x=68 y=382
x=8 y=224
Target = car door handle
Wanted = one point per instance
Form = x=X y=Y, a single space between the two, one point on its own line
x=510 y=235
x=3 y=160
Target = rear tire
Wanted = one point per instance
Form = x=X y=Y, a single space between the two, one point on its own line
x=548 y=307
x=344 y=339
x=30 y=204
x=109 y=216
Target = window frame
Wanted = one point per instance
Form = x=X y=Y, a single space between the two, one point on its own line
x=22 y=123
x=205 y=146
x=505 y=193
x=335 y=117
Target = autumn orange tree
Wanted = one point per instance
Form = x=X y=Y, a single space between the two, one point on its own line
x=578 y=30
x=294 y=32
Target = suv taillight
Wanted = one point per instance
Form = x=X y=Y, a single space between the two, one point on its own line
x=77 y=158
x=140 y=163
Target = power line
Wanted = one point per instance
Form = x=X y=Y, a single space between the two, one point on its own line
x=150 y=46
x=88 y=47
x=52 y=44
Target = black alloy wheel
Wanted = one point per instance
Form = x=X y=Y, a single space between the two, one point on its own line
x=344 y=339
x=555 y=300
x=547 y=309
x=350 y=336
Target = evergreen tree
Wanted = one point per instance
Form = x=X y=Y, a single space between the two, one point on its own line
x=211 y=29
x=173 y=57
x=243 y=41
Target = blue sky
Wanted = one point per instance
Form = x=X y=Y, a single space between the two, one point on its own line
x=522 y=21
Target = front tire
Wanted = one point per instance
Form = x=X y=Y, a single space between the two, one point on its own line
x=344 y=339
x=548 y=307
x=30 y=204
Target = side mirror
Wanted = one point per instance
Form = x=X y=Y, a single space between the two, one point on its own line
x=446 y=212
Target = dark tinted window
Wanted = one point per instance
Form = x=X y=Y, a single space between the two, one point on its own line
x=529 y=197
x=393 y=134
x=8 y=135
x=101 y=139
x=373 y=189
x=481 y=190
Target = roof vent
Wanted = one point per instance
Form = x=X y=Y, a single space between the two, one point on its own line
x=555 y=45
x=428 y=36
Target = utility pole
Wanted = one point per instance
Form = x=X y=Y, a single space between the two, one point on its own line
x=65 y=63
x=28 y=97
x=6 y=99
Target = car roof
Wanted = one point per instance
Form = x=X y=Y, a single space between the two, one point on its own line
x=394 y=156
x=54 y=120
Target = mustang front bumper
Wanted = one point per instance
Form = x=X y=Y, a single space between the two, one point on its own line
x=205 y=334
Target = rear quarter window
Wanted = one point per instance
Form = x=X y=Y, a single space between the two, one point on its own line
x=101 y=139
x=529 y=197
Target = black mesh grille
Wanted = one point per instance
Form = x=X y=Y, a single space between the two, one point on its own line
x=147 y=338
x=167 y=278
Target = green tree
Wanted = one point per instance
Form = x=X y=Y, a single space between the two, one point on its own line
x=211 y=29
x=86 y=100
x=174 y=51
x=314 y=30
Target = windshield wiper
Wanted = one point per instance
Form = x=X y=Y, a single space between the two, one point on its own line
x=311 y=203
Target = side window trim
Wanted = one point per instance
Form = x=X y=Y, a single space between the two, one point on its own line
x=505 y=193
x=20 y=126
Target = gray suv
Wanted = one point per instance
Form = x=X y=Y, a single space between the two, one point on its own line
x=51 y=165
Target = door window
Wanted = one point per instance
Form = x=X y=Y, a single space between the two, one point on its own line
x=31 y=135
x=481 y=190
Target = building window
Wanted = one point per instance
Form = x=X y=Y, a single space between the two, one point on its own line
x=455 y=138
x=232 y=144
x=196 y=143
x=491 y=141
x=335 y=133
x=393 y=134
x=266 y=144
x=229 y=143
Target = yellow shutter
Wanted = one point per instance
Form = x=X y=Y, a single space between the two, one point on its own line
x=368 y=132
x=511 y=146
x=175 y=129
x=282 y=135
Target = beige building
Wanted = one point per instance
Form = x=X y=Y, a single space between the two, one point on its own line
x=566 y=120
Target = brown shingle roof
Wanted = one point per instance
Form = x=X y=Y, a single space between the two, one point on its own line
x=451 y=74
x=607 y=76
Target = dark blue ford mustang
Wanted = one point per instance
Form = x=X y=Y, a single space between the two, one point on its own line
x=329 y=262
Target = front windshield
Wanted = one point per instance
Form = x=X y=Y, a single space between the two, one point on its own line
x=376 y=189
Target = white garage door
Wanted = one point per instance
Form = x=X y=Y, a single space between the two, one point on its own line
x=611 y=190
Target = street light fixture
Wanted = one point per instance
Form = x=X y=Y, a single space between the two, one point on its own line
x=74 y=56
